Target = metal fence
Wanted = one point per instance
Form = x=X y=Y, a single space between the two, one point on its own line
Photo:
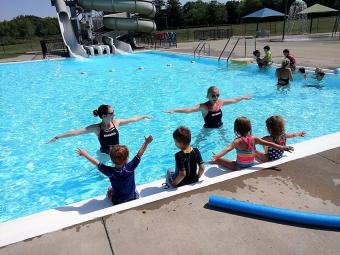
x=157 y=40
x=212 y=34
x=54 y=47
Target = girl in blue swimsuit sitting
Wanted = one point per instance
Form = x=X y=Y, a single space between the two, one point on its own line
x=277 y=134
x=106 y=131
x=211 y=110
x=244 y=143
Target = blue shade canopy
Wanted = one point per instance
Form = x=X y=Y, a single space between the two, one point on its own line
x=263 y=13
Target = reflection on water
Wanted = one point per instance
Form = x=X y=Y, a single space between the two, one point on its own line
x=205 y=135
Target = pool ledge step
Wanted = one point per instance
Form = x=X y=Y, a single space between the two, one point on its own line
x=62 y=217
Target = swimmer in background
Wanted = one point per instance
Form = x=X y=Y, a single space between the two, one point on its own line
x=302 y=71
x=319 y=74
x=259 y=60
x=292 y=61
x=283 y=73
x=211 y=110
x=267 y=60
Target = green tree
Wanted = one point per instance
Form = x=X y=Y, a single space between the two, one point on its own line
x=196 y=13
x=233 y=10
x=217 y=13
x=249 y=6
x=174 y=13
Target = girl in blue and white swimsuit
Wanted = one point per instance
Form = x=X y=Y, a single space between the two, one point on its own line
x=276 y=129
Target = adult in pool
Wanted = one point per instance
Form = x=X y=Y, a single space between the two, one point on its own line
x=211 y=110
x=283 y=73
x=106 y=130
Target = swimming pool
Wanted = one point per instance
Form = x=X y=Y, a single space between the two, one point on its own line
x=45 y=98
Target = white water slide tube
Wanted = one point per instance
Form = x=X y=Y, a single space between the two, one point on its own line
x=75 y=49
x=143 y=7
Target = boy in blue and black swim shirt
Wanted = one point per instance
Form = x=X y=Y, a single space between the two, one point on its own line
x=122 y=175
x=187 y=160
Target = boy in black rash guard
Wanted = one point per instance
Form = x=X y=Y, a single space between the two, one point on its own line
x=186 y=160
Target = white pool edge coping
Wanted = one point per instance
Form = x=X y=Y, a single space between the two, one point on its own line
x=62 y=217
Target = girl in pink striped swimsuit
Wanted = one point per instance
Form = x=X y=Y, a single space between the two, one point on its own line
x=244 y=143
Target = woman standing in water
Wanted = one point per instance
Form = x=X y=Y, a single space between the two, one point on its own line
x=106 y=130
x=211 y=110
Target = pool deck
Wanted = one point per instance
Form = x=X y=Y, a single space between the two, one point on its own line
x=315 y=53
x=320 y=52
x=184 y=224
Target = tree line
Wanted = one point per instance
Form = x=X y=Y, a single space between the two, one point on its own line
x=23 y=28
x=169 y=14
x=172 y=14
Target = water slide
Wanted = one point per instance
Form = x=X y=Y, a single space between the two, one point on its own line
x=143 y=7
x=71 y=42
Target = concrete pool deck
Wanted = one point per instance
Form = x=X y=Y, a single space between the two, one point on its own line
x=320 y=52
x=313 y=53
x=185 y=224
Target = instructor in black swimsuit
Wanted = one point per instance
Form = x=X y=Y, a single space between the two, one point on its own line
x=106 y=130
x=211 y=110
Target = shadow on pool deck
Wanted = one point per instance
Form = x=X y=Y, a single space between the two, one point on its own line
x=184 y=224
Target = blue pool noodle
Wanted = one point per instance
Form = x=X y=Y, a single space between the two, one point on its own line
x=308 y=218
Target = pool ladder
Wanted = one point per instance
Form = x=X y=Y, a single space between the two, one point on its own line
x=202 y=46
x=238 y=39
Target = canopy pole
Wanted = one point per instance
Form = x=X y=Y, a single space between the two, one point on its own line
x=311 y=24
x=335 y=25
x=284 y=20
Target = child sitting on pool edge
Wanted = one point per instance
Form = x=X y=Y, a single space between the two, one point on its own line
x=244 y=144
x=122 y=175
x=186 y=160
x=277 y=134
x=267 y=60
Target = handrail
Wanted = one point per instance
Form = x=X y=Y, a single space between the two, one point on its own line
x=202 y=45
x=197 y=47
x=231 y=52
x=225 y=46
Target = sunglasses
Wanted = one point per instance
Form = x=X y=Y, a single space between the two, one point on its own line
x=110 y=113
x=215 y=95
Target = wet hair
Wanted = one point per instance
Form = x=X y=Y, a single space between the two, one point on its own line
x=211 y=89
x=242 y=126
x=318 y=71
x=119 y=154
x=255 y=52
x=102 y=110
x=266 y=47
x=286 y=51
x=285 y=62
x=302 y=70
x=275 y=126
x=182 y=134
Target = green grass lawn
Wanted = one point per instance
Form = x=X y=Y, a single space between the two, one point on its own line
x=9 y=51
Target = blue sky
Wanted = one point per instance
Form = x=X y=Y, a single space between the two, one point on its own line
x=12 y=8
x=41 y=8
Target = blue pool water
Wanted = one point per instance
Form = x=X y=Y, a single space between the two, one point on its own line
x=42 y=99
